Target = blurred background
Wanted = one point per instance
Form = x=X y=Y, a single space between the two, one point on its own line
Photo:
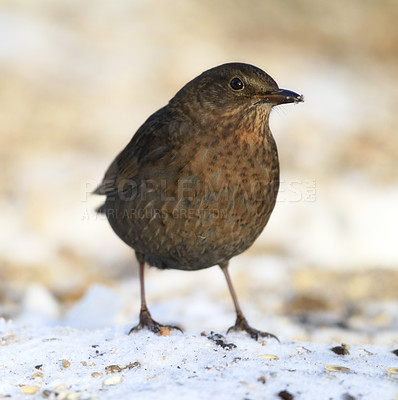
x=78 y=78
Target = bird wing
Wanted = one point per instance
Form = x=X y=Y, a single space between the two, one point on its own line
x=150 y=143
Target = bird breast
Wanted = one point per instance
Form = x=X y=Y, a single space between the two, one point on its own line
x=205 y=207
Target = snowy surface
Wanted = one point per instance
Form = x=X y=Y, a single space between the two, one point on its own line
x=86 y=355
x=68 y=363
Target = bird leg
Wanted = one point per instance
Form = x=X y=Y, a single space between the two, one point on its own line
x=241 y=323
x=146 y=321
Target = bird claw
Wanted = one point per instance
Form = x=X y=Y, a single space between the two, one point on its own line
x=156 y=328
x=242 y=325
x=147 y=322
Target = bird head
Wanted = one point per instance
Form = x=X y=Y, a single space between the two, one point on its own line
x=233 y=88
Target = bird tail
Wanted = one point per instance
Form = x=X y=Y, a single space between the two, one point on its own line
x=101 y=209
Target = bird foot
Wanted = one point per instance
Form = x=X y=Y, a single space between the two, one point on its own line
x=242 y=325
x=147 y=322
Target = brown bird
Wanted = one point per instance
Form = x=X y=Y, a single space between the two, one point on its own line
x=198 y=181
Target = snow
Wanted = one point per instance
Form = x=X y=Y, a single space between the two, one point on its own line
x=87 y=355
x=185 y=365
x=100 y=303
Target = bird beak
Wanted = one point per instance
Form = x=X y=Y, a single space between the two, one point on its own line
x=282 y=96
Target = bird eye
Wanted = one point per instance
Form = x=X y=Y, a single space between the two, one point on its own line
x=236 y=84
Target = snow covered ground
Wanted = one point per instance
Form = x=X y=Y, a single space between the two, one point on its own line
x=87 y=354
x=69 y=363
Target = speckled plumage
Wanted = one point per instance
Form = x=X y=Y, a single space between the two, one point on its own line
x=197 y=183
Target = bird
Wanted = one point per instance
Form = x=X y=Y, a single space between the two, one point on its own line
x=198 y=181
